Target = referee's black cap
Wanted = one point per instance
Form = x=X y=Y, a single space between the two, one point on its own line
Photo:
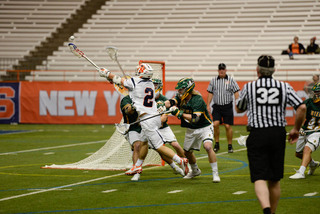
x=222 y=66
x=266 y=61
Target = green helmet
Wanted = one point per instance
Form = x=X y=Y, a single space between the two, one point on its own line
x=316 y=92
x=187 y=84
x=157 y=85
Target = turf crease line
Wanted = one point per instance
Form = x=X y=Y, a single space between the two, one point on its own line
x=53 y=147
x=89 y=181
x=162 y=205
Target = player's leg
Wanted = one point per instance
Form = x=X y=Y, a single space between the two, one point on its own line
x=311 y=145
x=212 y=160
x=156 y=141
x=172 y=164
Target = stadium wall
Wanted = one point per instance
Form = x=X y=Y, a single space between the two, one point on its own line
x=84 y=102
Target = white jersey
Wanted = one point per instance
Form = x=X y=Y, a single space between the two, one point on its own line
x=141 y=92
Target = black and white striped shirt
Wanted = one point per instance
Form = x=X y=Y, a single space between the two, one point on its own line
x=223 y=89
x=265 y=101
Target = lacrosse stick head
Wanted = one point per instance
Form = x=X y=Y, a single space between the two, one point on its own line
x=242 y=140
x=122 y=128
x=112 y=52
x=74 y=49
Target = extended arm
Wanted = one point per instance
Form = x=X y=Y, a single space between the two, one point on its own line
x=300 y=117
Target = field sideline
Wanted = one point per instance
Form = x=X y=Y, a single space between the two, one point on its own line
x=26 y=188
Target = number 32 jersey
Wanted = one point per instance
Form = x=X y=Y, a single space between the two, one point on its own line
x=267 y=100
x=141 y=91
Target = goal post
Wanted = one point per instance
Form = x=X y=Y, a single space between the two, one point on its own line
x=116 y=153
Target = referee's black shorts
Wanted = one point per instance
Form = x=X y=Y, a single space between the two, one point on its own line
x=265 y=150
x=223 y=113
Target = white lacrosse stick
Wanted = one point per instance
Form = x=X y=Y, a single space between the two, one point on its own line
x=123 y=128
x=113 y=54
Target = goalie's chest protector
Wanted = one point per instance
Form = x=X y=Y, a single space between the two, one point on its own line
x=142 y=94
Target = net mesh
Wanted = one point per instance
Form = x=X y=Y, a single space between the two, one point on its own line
x=116 y=154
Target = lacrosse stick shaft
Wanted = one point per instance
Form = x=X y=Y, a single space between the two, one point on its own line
x=147 y=118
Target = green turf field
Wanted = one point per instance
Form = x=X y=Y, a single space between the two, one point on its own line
x=26 y=188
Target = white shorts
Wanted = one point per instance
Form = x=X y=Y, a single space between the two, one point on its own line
x=168 y=135
x=134 y=136
x=195 y=137
x=150 y=128
x=312 y=141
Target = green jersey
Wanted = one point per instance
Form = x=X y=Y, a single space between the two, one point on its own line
x=162 y=98
x=312 y=116
x=195 y=105
x=129 y=118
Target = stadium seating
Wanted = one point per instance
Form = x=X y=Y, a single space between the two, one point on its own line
x=190 y=36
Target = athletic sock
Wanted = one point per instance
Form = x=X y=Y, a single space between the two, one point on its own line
x=139 y=162
x=267 y=210
x=302 y=169
x=173 y=165
x=177 y=159
x=214 y=166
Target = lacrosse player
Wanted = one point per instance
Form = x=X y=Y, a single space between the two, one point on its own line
x=189 y=106
x=165 y=129
x=309 y=136
x=139 y=144
x=141 y=91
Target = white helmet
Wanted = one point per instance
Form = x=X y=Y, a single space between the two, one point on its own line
x=144 y=71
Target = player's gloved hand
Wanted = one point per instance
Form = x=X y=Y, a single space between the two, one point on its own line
x=103 y=72
x=302 y=132
x=176 y=112
x=161 y=106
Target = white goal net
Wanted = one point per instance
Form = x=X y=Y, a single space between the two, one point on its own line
x=116 y=154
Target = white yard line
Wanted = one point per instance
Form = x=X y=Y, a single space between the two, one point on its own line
x=53 y=147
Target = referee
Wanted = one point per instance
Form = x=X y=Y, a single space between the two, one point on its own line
x=265 y=100
x=222 y=89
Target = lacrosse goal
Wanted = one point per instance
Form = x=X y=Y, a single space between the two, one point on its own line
x=116 y=154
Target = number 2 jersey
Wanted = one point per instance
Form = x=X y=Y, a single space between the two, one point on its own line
x=312 y=121
x=141 y=91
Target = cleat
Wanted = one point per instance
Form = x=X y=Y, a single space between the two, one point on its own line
x=216 y=178
x=230 y=149
x=192 y=174
x=216 y=148
x=184 y=165
x=313 y=167
x=298 y=175
x=178 y=171
x=134 y=170
x=136 y=177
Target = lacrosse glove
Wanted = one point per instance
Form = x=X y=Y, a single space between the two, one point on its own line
x=176 y=112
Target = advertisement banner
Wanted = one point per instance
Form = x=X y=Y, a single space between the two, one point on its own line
x=9 y=102
x=96 y=102
x=69 y=103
